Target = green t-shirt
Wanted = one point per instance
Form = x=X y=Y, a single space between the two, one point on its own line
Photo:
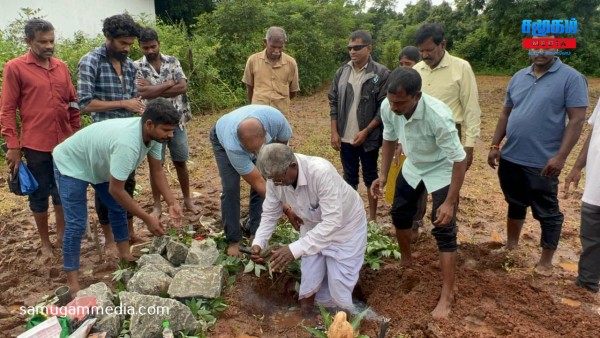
x=108 y=148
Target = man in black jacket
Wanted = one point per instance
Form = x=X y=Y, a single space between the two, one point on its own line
x=355 y=95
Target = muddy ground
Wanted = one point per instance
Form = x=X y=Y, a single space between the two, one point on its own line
x=498 y=294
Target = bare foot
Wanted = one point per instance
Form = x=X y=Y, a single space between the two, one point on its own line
x=110 y=250
x=234 y=250
x=45 y=254
x=543 y=270
x=189 y=205
x=156 y=211
x=442 y=310
x=136 y=239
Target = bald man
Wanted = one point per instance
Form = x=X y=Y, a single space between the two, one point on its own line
x=236 y=139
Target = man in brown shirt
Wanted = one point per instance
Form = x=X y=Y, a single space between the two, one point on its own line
x=271 y=76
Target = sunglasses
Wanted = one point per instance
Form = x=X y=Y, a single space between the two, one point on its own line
x=356 y=47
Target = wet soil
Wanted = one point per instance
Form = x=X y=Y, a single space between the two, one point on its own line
x=498 y=294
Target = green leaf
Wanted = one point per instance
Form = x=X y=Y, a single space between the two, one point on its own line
x=315 y=332
x=327 y=320
x=231 y=280
x=249 y=267
x=357 y=319
x=258 y=268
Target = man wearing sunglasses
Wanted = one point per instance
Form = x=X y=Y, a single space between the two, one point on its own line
x=355 y=96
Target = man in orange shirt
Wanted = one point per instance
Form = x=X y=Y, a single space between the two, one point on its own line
x=40 y=87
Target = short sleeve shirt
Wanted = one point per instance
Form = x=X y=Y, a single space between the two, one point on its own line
x=591 y=194
x=170 y=69
x=429 y=140
x=272 y=83
x=538 y=118
x=109 y=148
x=278 y=129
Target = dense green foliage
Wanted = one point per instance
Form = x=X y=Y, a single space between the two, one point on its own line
x=213 y=39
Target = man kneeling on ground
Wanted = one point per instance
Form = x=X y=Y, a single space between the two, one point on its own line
x=333 y=234
x=103 y=155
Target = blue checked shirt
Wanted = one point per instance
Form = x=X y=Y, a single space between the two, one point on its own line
x=97 y=79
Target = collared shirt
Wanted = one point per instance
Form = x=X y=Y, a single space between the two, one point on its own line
x=537 y=121
x=170 y=69
x=332 y=211
x=453 y=82
x=272 y=83
x=429 y=140
x=591 y=193
x=46 y=101
x=356 y=80
x=278 y=129
x=109 y=148
x=98 y=80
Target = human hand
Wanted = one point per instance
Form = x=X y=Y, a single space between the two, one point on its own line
x=377 y=187
x=176 y=215
x=140 y=82
x=154 y=226
x=281 y=258
x=397 y=154
x=255 y=256
x=13 y=157
x=469 y=151
x=360 y=137
x=336 y=141
x=572 y=178
x=444 y=214
x=134 y=105
x=494 y=158
x=294 y=219
x=553 y=167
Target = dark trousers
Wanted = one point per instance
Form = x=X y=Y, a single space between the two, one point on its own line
x=352 y=158
x=589 y=261
x=42 y=168
x=524 y=187
x=405 y=205
x=230 y=197
x=101 y=208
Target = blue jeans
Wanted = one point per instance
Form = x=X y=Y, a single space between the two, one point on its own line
x=73 y=194
x=230 y=197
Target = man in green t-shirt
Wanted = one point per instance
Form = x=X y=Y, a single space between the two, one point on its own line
x=103 y=155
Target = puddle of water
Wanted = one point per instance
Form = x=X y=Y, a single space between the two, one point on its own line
x=569 y=266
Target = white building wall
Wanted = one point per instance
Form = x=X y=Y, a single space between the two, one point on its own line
x=70 y=16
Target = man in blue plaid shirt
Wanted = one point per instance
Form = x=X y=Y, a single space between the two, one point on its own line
x=106 y=89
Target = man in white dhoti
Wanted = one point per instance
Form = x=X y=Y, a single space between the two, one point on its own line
x=333 y=235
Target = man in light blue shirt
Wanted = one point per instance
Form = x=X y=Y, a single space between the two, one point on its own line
x=435 y=160
x=236 y=139
x=104 y=154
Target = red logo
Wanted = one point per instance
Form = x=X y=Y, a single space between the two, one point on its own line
x=550 y=43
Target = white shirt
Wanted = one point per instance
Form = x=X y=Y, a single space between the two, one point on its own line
x=591 y=193
x=331 y=210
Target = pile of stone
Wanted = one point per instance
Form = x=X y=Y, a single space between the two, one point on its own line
x=170 y=270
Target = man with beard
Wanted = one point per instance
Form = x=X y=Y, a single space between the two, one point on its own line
x=160 y=75
x=104 y=155
x=271 y=76
x=40 y=87
x=106 y=89
x=539 y=99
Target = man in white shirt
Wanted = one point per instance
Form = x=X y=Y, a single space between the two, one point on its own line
x=589 y=269
x=333 y=235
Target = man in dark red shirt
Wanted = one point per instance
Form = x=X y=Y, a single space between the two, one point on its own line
x=39 y=87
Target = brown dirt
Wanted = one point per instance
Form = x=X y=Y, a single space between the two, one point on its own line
x=498 y=294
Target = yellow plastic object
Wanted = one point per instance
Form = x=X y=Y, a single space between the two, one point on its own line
x=390 y=187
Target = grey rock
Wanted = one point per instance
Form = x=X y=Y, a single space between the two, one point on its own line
x=202 y=253
x=156 y=261
x=111 y=323
x=149 y=281
x=103 y=294
x=146 y=325
x=197 y=282
x=159 y=244
x=176 y=252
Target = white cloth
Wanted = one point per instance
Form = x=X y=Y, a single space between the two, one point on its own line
x=333 y=237
x=591 y=193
